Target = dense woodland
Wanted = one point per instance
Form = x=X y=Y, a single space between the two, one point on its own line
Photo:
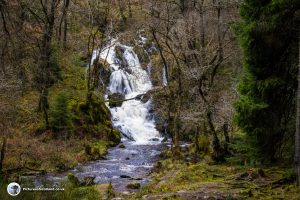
x=225 y=80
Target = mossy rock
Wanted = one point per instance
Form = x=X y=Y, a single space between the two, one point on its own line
x=103 y=68
x=93 y=118
x=96 y=150
x=142 y=55
x=114 y=137
x=73 y=180
x=156 y=72
x=88 y=181
x=116 y=100
x=144 y=97
x=61 y=167
x=133 y=186
x=93 y=112
x=120 y=56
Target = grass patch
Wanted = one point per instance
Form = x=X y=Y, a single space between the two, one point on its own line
x=224 y=181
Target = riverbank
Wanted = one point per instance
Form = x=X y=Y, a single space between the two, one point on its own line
x=80 y=126
x=125 y=170
x=41 y=154
x=176 y=179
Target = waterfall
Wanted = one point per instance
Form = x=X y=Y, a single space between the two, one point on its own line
x=130 y=79
x=164 y=77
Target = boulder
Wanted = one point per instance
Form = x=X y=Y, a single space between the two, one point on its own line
x=143 y=57
x=100 y=70
x=116 y=100
x=133 y=186
x=120 y=56
x=124 y=176
x=129 y=137
x=73 y=180
x=154 y=139
x=143 y=97
x=88 y=181
x=136 y=179
x=164 y=140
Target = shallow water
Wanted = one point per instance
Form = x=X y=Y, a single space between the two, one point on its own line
x=134 y=161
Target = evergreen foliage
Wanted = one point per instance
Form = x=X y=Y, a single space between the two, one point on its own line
x=266 y=107
x=60 y=115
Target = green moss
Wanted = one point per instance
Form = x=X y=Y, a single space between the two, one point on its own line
x=115 y=137
x=142 y=55
x=110 y=193
x=73 y=180
x=88 y=193
x=96 y=150
x=94 y=118
x=116 y=100
x=133 y=186
x=176 y=176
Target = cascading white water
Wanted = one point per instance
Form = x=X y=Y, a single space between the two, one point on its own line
x=132 y=118
x=164 y=77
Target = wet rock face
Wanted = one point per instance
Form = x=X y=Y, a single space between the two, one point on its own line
x=144 y=97
x=116 y=100
x=120 y=57
x=143 y=57
x=100 y=73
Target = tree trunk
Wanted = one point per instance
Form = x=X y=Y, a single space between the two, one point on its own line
x=226 y=136
x=202 y=34
x=161 y=55
x=179 y=99
x=297 y=134
x=43 y=105
x=66 y=24
x=217 y=150
x=129 y=9
x=197 y=136
x=2 y=153
x=63 y=24
x=220 y=42
x=46 y=53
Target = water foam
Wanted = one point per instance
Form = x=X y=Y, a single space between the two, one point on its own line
x=132 y=118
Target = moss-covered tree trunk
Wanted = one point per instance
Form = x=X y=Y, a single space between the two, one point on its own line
x=46 y=53
x=2 y=153
x=297 y=135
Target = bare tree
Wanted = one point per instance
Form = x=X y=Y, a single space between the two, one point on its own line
x=193 y=38
x=297 y=134
x=63 y=24
x=44 y=81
